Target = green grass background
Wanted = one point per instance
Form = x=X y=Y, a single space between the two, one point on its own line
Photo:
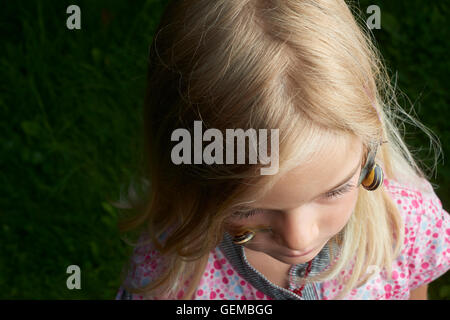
x=70 y=112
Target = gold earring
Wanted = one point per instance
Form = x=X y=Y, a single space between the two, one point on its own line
x=373 y=179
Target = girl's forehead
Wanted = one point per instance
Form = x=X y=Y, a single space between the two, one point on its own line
x=323 y=171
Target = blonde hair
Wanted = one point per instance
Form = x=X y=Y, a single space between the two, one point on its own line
x=305 y=67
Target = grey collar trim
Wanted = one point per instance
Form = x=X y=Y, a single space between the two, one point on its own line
x=236 y=256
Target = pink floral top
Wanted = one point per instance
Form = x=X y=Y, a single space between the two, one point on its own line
x=425 y=256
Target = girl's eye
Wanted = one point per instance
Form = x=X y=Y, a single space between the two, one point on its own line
x=246 y=214
x=330 y=195
x=337 y=193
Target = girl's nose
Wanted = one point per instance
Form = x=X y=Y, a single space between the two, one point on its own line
x=298 y=230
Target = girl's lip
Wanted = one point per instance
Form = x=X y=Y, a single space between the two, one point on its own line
x=300 y=255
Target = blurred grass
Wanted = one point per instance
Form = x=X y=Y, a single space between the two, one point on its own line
x=71 y=103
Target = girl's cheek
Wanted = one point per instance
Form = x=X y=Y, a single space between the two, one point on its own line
x=337 y=217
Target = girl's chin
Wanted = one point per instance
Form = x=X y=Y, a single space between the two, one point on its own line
x=297 y=259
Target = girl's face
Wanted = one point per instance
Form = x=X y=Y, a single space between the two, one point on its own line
x=307 y=206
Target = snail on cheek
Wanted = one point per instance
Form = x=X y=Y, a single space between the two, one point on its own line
x=243 y=233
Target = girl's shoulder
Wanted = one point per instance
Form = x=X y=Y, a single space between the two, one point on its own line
x=427 y=232
x=145 y=265
x=426 y=222
x=219 y=281
x=420 y=208
x=425 y=253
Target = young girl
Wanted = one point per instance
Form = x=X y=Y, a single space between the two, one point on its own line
x=348 y=215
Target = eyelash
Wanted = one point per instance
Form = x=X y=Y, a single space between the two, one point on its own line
x=330 y=195
x=334 y=194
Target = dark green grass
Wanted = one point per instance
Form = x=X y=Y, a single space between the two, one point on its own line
x=70 y=106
